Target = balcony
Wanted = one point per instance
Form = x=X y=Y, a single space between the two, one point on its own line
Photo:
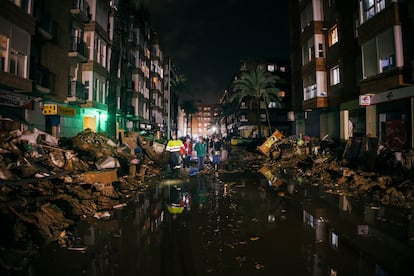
x=132 y=61
x=315 y=103
x=80 y=10
x=45 y=26
x=77 y=50
x=43 y=79
x=77 y=92
x=15 y=82
x=132 y=38
x=130 y=86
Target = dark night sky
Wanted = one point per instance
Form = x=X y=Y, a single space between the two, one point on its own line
x=207 y=39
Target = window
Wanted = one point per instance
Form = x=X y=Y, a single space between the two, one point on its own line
x=379 y=54
x=320 y=50
x=386 y=50
x=372 y=7
x=306 y=16
x=387 y=63
x=272 y=105
x=23 y=4
x=14 y=45
x=356 y=25
x=333 y=36
x=308 y=51
x=271 y=67
x=335 y=75
x=309 y=87
x=18 y=63
x=3 y=52
x=95 y=90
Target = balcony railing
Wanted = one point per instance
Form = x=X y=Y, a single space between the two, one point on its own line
x=42 y=77
x=80 y=9
x=78 y=49
x=45 y=26
x=77 y=91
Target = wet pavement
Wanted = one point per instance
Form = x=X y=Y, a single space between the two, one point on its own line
x=232 y=223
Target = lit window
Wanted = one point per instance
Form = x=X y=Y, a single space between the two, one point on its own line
x=335 y=76
x=333 y=36
x=271 y=67
x=18 y=63
x=372 y=7
x=334 y=239
x=23 y=4
x=3 y=52
x=308 y=51
x=387 y=63
x=272 y=105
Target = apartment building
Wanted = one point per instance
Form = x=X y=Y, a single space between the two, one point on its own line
x=386 y=36
x=204 y=122
x=347 y=57
x=157 y=83
x=89 y=68
x=17 y=26
x=139 y=64
x=244 y=122
x=56 y=67
x=49 y=63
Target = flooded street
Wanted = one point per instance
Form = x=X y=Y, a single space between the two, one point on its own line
x=231 y=223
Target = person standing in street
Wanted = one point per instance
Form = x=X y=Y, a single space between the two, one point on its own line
x=188 y=149
x=176 y=149
x=201 y=150
x=216 y=152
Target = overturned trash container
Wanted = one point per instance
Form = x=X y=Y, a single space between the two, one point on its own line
x=267 y=145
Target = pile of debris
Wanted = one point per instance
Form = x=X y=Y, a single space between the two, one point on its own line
x=47 y=184
x=362 y=168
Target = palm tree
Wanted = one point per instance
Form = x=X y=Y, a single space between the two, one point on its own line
x=189 y=109
x=179 y=84
x=255 y=86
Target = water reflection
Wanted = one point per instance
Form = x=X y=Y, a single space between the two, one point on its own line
x=231 y=223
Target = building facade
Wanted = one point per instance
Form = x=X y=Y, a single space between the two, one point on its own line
x=273 y=115
x=204 y=122
x=56 y=63
x=17 y=26
x=352 y=68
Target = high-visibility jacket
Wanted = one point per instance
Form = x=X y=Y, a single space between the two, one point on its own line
x=175 y=146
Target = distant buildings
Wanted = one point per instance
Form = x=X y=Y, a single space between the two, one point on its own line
x=204 y=122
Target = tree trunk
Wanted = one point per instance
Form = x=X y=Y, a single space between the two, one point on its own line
x=268 y=117
x=259 y=125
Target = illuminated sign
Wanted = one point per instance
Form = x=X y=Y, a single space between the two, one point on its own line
x=49 y=109
x=54 y=109
x=66 y=111
x=364 y=100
